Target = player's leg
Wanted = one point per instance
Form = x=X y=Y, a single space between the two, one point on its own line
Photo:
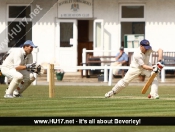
x=117 y=88
x=16 y=91
x=154 y=85
x=154 y=89
x=8 y=80
x=121 y=84
x=26 y=84
x=28 y=79
x=143 y=74
x=16 y=79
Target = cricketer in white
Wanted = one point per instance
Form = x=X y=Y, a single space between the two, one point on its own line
x=140 y=65
x=17 y=67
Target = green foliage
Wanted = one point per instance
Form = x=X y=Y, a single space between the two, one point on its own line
x=87 y=101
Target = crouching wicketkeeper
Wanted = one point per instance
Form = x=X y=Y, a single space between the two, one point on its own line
x=19 y=67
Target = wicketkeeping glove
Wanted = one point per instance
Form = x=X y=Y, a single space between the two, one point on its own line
x=37 y=69
x=30 y=66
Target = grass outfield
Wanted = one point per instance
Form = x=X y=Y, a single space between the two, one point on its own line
x=87 y=101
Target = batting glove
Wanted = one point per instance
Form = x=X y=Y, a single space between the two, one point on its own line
x=30 y=66
x=158 y=67
x=155 y=69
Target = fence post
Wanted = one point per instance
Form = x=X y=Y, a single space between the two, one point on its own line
x=35 y=82
x=110 y=76
x=105 y=74
x=51 y=81
x=163 y=75
x=84 y=59
x=35 y=51
x=48 y=73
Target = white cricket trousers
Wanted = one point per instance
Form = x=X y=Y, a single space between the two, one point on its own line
x=132 y=74
x=17 y=77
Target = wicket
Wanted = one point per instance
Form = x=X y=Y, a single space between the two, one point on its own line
x=51 y=81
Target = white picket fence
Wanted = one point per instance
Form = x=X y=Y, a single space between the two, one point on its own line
x=110 y=68
x=105 y=67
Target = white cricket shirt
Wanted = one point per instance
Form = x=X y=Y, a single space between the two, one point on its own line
x=140 y=58
x=17 y=57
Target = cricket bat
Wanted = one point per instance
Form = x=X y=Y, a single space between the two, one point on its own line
x=148 y=83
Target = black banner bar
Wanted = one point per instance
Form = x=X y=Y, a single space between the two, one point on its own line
x=114 y=121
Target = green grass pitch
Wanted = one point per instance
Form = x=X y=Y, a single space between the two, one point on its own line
x=87 y=101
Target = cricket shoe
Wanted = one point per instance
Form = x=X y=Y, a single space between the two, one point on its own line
x=8 y=96
x=17 y=95
x=109 y=94
x=156 y=96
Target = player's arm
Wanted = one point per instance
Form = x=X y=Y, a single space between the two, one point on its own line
x=147 y=67
x=25 y=67
x=140 y=61
x=18 y=60
x=160 y=55
x=156 y=68
x=20 y=67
